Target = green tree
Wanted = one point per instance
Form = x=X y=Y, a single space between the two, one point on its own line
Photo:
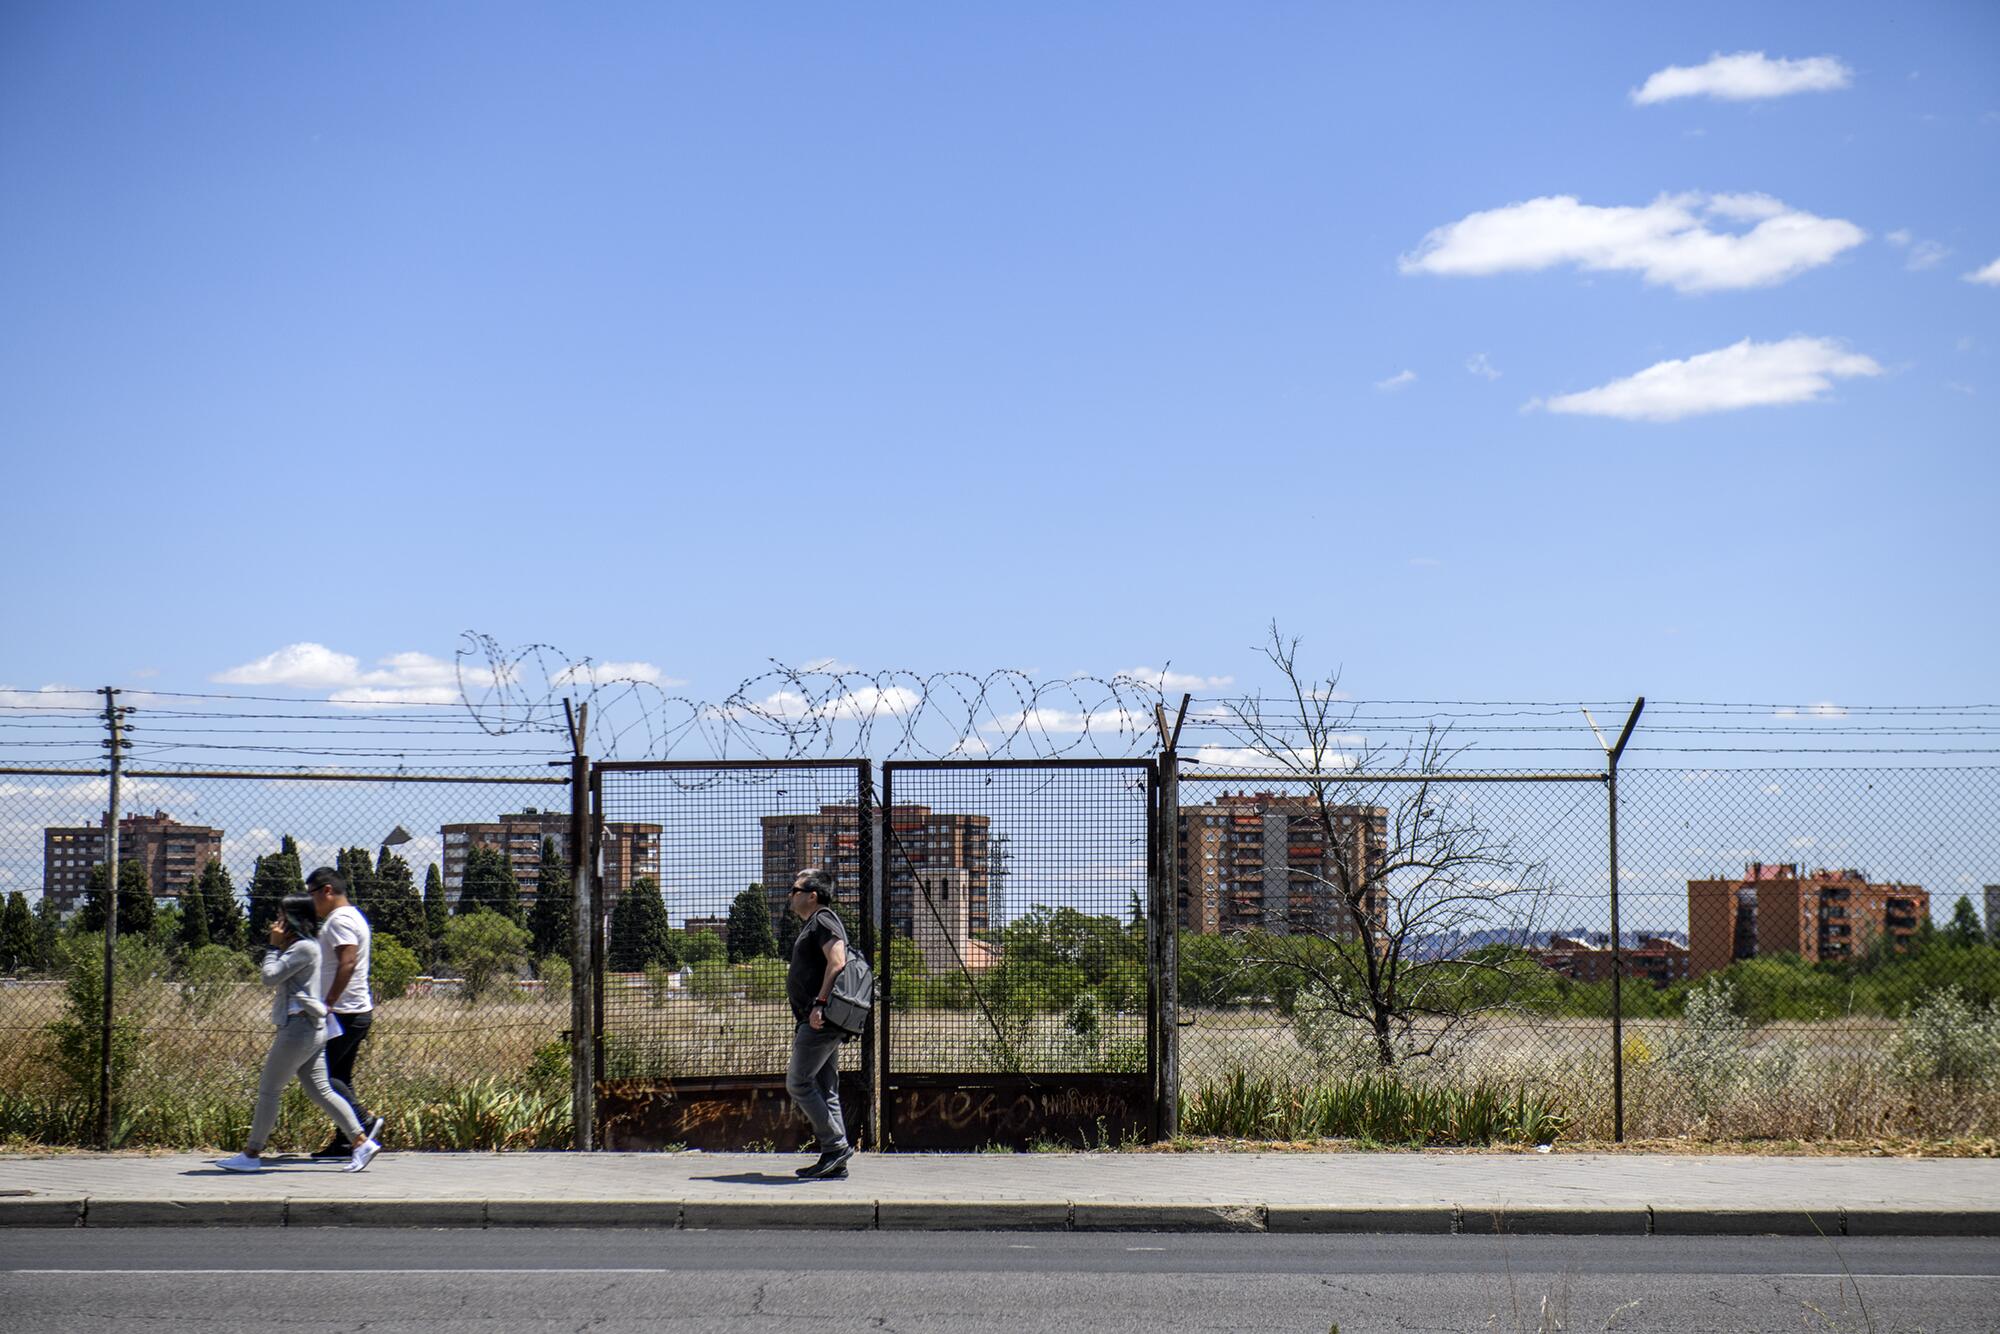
x=135 y=899
x=436 y=914
x=194 y=919
x=486 y=949
x=1964 y=929
x=17 y=935
x=393 y=906
x=640 y=934
x=358 y=871
x=552 y=924
x=48 y=933
x=749 y=932
x=391 y=967
x=218 y=897
x=788 y=927
x=489 y=884
x=277 y=875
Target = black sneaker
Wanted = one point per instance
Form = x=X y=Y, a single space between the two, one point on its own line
x=831 y=1166
x=815 y=1167
x=337 y=1147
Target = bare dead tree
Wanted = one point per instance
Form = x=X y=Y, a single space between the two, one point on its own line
x=1402 y=867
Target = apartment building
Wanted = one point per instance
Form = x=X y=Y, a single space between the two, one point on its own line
x=959 y=859
x=1268 y=861
x=630 y=850
x=1655 y=959
x=1773 y=909
x=172 y=853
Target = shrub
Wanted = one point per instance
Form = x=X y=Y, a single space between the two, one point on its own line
x=1946 y=1039
x=712 y=979
x=556 y=978
x=485 y=948
x=763 y=979
x=210 y=974
x=391 y=967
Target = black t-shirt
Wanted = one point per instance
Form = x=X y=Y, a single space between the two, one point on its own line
x=808 y=970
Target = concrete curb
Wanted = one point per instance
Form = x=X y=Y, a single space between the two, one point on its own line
x=1002 y=1215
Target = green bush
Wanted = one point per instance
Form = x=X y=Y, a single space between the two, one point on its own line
x=556 y=978
x=486 y=949
x=1948 y=1040
x=763 y=979
x=211 y=974
x=391 y=967
x=712 y=980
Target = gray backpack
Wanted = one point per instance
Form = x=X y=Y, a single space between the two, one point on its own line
x=852 y=999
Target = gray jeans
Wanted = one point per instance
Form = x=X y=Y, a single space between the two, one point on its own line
x=299 y=1050
x=813 y=1080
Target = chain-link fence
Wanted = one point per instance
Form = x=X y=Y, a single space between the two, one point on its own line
x=1799 y=954
x=465 y=1049
x=697 y=863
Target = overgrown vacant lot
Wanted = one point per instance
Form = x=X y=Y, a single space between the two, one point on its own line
x=493 y=1072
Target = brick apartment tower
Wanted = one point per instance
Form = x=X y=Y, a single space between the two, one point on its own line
x=172 y=853
x=1263 y=862
x=1827 y=915
x=954 y=853
x=630 y=850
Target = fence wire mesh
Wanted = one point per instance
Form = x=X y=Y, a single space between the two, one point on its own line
x=464 y=1050
x=698 y=862
x=1016 y=910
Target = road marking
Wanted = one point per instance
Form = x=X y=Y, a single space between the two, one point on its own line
x=1145 y=1248
x=350 y=1270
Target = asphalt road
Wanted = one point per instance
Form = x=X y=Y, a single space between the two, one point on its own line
x=606 y=1281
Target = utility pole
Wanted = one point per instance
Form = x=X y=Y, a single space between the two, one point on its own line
x=114 y=744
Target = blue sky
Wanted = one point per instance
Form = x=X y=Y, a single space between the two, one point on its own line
x=1027 y=336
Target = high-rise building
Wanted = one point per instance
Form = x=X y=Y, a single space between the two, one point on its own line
x=172 y=853
x=955 y=855
x=1268 y=861
x=630 y=850
x=1773 y=909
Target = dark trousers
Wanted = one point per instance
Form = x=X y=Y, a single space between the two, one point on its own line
x=340 y=1054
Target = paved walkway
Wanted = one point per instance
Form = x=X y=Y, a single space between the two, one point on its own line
x=1354 y=1192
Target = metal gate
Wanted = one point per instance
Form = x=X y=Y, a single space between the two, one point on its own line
x=1023 y=913
x=695 y=860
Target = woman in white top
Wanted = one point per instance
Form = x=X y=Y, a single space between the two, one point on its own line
x=299 y=1049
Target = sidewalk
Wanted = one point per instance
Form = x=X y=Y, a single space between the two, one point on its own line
x=1247 y=1192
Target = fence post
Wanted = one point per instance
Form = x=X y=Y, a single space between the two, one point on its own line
x=115 y=744
x=1611 y=754
x=1166 y=912
x=583 y=944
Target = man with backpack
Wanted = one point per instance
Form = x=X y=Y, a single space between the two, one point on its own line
x=813 y=1079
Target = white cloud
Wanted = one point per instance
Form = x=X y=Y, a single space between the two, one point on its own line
x=1400 y=380
x=1824 y=709
x=596 y=673
x=51 y=697
x=1923 y=254
x=1477 y=364
x=1299 y=760
x=1166 y=679
x=1900 y=237
x=409 y=678
x=1745 y=375
x=1744 y=77
x=1670 y=241
x=1112 y=721
x=1990 y=275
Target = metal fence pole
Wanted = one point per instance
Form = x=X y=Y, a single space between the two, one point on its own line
x=583 y=945
x=1167 y=914
x=113 y=717
x=1611 y=755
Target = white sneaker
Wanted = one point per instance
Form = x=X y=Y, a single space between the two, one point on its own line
x=363 y=1152
x=242 y=1162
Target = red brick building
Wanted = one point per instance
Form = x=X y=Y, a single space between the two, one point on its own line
x=1773 y=909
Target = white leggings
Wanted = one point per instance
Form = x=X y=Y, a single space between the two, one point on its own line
x=298 y=1050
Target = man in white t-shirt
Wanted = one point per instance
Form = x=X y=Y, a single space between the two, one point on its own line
x=343 y=947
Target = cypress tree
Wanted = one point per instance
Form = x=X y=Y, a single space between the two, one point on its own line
x=278 y=875
x=552 y=924
x=359 y=873
x=393 y=905
x=436 y=913
x=489 y=884
x=48 y=933
x=225 y=914
x=640 y=933
x=17 y=935
x=135 y=899
x=194 y=918
x=750 y=935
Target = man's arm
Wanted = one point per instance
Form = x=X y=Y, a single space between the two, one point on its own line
x=345 y=957
x=836 y=959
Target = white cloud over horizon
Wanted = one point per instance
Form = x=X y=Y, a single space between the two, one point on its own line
x=1680 y=241
x=1990 y=275
x=1744 y=76
x=1166 y=679
x=597 y=673
x=1743 y=375
x=1400 y=380
x=399 y=678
